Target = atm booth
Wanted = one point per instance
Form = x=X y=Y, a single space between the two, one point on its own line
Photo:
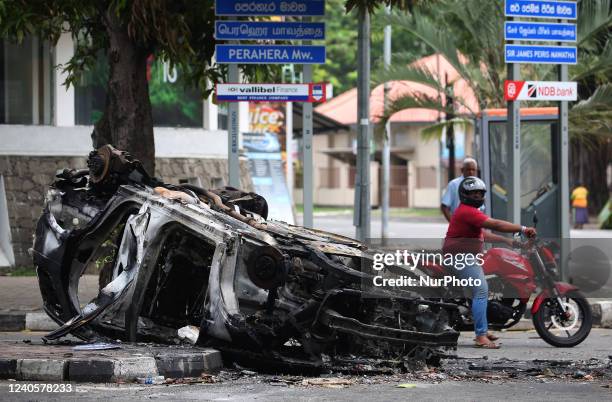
x=540 y=173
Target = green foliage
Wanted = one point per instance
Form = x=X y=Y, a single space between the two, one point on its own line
x=469 y=34
x=174 y=30
x=341 y=42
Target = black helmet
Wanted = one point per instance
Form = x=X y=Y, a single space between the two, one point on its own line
x=468 y=189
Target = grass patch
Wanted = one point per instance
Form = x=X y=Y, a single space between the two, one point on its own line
x=299 y=208
x=393 y=212
x=22 y=271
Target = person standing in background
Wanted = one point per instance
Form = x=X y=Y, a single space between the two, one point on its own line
x=450 y=200
x=580 y=204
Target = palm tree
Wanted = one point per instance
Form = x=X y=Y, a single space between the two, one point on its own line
x=469 y=35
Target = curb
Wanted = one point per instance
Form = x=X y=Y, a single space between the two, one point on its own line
x=602 y=314
x=105 y=370
x=12 y=321
x=523 y=325
x=20 y=321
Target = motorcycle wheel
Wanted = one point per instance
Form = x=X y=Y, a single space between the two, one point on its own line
x=564 y=332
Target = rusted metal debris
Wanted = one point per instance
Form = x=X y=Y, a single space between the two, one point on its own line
x=268 y=294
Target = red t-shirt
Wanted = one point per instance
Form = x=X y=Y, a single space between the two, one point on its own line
x=464 y=234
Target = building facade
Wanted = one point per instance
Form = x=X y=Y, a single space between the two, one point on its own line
x=46 y=126
x=419 y=165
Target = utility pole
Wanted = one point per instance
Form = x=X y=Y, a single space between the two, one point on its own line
x=386 y=148
x=450 y=130
x=308 y=186
x=362 y=179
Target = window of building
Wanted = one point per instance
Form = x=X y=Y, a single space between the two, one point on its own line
x=26 y=82
x=173 y=104
x=222 y=120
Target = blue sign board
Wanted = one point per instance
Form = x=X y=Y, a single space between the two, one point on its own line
x=270 y=54
x=539 y=31
x=541 y=54
x=254 y=30
x=541 y=9
x=302 y=8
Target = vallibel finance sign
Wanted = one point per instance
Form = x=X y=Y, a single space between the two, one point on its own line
x=311 y=92
x=540 y=91
x=541 y=9
x=270 y=54
x=299 y=8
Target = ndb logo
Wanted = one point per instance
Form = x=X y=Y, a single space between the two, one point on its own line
x=532 y=91
x=317 y=92
x=511 y=90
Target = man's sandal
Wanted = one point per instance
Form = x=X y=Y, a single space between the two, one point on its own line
x=490 y=345
x=491 y=337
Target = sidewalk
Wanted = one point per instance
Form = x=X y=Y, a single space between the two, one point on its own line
x=21 y=293
x=21 y=305
x=23 y=356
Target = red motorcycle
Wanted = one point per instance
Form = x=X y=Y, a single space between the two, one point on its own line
x=561 y=314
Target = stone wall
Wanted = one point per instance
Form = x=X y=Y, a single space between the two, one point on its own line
x=26 y=179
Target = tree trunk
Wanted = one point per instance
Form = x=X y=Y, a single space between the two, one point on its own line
x=450 y=143
x=127 y=122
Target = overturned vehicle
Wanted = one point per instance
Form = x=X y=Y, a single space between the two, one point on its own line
x=264 y=292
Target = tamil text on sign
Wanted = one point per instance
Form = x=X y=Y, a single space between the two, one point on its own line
x=539 y=31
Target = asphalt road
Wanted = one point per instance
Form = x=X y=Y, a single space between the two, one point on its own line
x=446 y=391
x=409 y=228
x=453 y=381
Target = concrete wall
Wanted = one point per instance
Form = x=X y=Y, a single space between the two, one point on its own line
x=31 y=155
x=26 y=179
x=6 y=250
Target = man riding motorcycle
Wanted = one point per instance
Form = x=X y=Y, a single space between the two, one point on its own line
x=466 y=235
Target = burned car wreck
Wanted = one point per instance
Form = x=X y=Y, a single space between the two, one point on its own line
x=262 y=291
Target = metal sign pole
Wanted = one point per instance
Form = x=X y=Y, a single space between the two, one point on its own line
x=386 y=150
x=233 y=133
x=289 y=146
x=564 y=207
x=362 y=185
x=514 y=149
x=308 y=186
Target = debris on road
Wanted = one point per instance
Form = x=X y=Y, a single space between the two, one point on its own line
x=328 y=382
x=160 y=379
x=190 y=333
x=97 y=346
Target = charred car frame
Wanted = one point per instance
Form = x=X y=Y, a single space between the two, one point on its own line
x=259 y=290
